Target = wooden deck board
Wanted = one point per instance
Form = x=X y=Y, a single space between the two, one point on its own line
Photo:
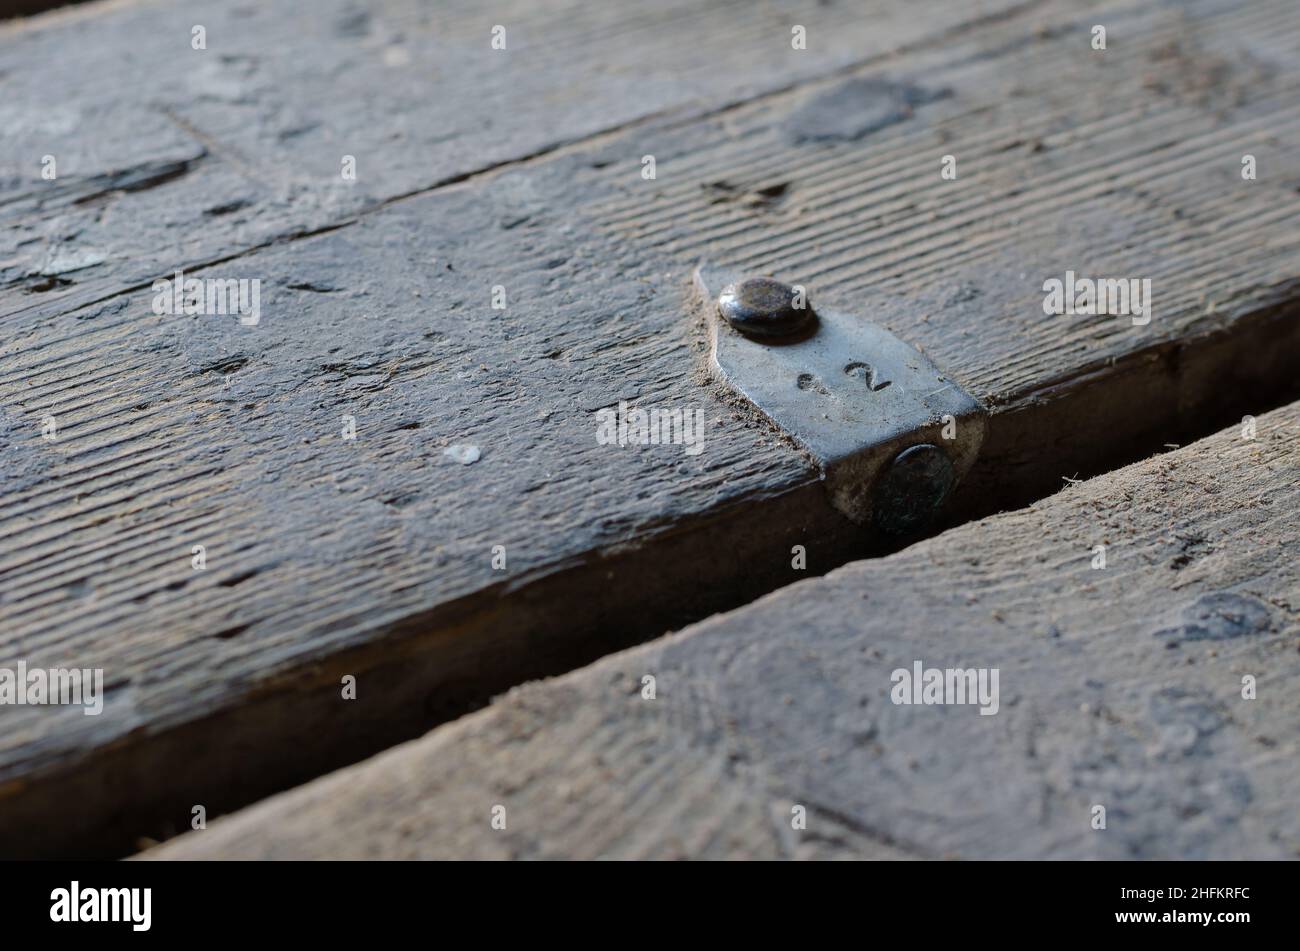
x=1119 y=687
x=374 y=558
x=168 y=156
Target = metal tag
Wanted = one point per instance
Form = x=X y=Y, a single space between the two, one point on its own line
x=856 y=398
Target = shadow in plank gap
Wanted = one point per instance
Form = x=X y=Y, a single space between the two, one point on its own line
x=296 y=537
x=11 y=9
x=1106 y=674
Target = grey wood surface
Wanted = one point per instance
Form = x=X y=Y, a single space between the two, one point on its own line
x=169 y=155
x=1120 y=687
x=373 y=557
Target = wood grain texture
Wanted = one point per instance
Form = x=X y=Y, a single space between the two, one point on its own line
x=169 y=155
x=1118 y=163
x=1119 y=687
x=329 y=557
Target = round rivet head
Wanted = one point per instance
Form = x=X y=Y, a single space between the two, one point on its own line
x=763 y=307
x=912 y=490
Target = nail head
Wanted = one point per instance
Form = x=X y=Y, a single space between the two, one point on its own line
x=764 y=307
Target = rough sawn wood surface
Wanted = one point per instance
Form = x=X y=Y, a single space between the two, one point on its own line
x=1120 y=687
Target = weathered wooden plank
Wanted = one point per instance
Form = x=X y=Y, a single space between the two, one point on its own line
x=1120 y=687
x=373 y=557
x=167 y=155
x=1125 y=162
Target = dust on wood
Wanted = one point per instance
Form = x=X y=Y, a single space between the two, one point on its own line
x=373 y=557
x=1122 y=687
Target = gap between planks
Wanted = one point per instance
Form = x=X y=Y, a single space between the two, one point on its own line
x=1094 y=407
